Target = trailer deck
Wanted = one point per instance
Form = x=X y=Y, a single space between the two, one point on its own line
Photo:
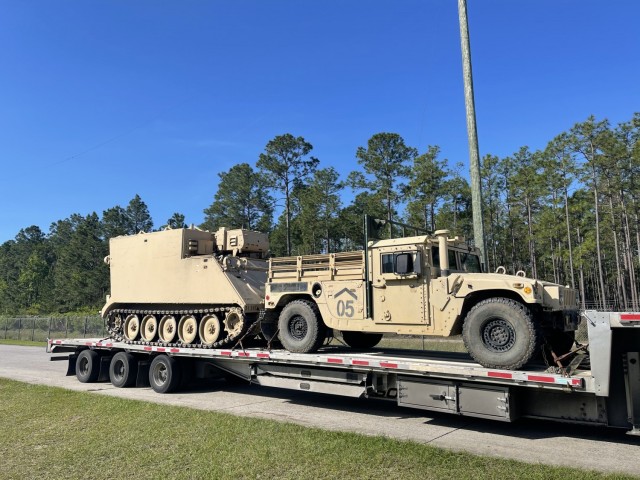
x=603 y=389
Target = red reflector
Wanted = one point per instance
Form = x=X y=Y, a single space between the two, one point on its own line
x=334 y=360
x=500 y=375
x=109 y=345
x=58 y=342
x=227 y=353
x=539 y=378
x=388 y=365
x=160 y=349
x=633 y=317
x=243 y=354
x=359 y=362
x=263 y=355
x=88 y=344
x=175 y=350
x=576 y=381
x=148 y=349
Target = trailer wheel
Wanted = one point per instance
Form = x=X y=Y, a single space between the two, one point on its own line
x=164 y=374
x=361 y=339
x=88 y=366
x=500 y=333
x=123 y=370
x=301 y=329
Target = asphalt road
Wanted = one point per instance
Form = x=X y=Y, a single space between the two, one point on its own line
x=530 y=441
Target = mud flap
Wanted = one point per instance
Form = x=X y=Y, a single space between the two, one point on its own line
x=71 y=366
x=142 y=378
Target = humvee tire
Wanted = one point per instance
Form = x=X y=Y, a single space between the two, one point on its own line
x=500 y=333
x=361 y=339
x=301 y=329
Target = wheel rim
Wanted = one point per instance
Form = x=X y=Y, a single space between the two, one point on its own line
x=131 y=327
x=298 y=327
x=187 y=329
x=84 y=366
x=149 y=328
x=209 y=329
x=118 y=369
x=498 y=335
x=167 y=329
x=160 y=374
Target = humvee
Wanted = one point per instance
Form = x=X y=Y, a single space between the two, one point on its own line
x=425 y=284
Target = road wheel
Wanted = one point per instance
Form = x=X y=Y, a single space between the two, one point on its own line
x=88 y=366
x=167 y=328
x=164 y=374
x=123 y=370
x=500 y=333
x=361 y=339
x=149 y=328
x=209 y=329
x=131 y=327
x=301 y=329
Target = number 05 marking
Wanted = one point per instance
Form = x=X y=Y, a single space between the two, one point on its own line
x=345 y=308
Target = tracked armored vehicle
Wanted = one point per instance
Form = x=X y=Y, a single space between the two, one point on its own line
x=185 y=287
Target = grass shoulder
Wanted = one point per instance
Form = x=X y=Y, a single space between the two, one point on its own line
x=55 y=433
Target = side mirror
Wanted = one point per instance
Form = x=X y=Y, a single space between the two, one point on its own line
x=404 y=264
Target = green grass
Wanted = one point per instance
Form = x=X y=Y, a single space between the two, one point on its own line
x=27 y=343
x=55 y=433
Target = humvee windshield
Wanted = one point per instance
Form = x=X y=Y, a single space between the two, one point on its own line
x=470 y=262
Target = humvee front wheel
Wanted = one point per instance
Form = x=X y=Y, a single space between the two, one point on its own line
x=361 y=339
x=301 y=329
x=500 y=333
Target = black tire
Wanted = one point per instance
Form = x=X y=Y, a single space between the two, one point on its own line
x=88 y=366
x=361 y=340
x=164 y=374
x=500 y=333
x=301 y=329
x=123 y=370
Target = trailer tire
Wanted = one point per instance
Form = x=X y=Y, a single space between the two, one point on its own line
x=123 y=370
x=88 y=366
x=361 y=340
x=164 y=374
x=500 y=333
x=301 y=329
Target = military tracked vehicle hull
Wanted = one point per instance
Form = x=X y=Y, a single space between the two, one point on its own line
x=185 y=287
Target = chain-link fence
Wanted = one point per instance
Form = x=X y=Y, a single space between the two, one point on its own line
x=38 y=329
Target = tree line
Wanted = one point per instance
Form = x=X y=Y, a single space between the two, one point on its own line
x=568 y=213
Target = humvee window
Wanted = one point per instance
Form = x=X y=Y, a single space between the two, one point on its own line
x=453 y=260
x=404 y=263
x=470 y=263
x=387 y=263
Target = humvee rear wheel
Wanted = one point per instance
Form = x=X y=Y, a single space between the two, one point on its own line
x=167 y=328
x=209 y=329
x=500 y=333
x=164 y=374
x=149 y=328
x=187 y=329
x=361 y=339
x=131 y=327
x=301 y=328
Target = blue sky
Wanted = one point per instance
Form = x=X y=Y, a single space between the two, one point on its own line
x=101 y=100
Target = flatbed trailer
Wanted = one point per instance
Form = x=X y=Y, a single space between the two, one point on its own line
x=599 y=388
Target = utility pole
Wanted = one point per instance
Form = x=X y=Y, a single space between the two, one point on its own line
x=474 y=154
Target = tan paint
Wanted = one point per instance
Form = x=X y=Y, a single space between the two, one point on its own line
x=423 y=302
